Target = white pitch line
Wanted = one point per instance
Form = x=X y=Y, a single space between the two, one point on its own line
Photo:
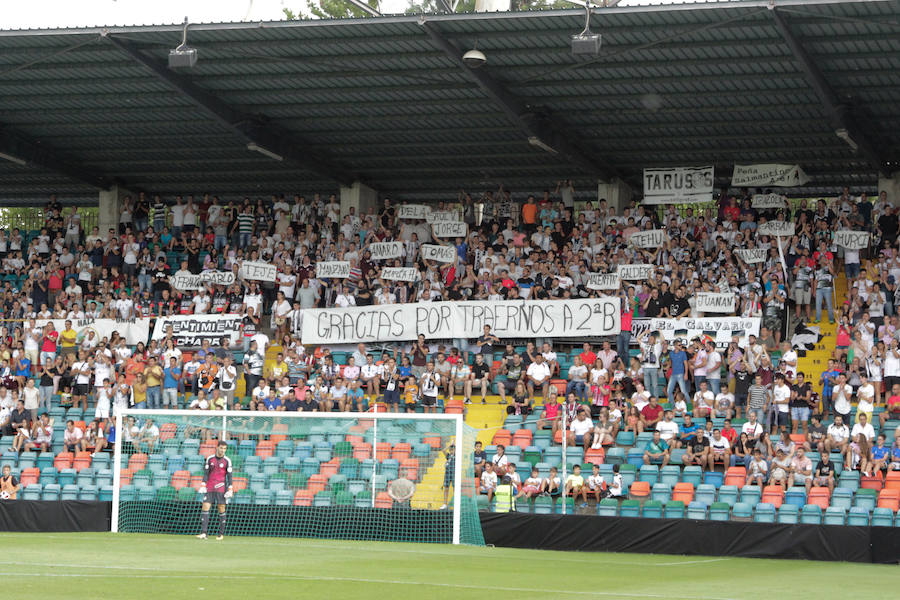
x=689 y=562
x=462 y=586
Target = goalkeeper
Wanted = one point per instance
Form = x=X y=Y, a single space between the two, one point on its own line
x=217 y=488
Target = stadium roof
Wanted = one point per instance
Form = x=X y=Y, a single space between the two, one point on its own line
x=388 y=101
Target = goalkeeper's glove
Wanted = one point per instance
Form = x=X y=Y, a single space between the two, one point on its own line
x=229 y=494
x=202 y=489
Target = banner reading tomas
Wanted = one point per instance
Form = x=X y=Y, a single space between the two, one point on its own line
x=590 y=317
x=442 y=254
x=709 y=302
x=383 y=250
x=851 y=240
x=133 y=330
x=768 y=175
x=678 y=185
x=189 y=331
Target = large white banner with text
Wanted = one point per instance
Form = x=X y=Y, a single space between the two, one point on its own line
x=719 y=328
x=133 y=330
x=678 y=185
x=588 y=317
x=768 y=175
x=189 y=331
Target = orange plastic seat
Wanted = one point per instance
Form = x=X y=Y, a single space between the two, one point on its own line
x=207 y=449
x=181 y=479
x=683 y=492
x=382 y=500
x=381 y=406
x=522 y=438
x=137 y=462
x=81 y=425
x=819 y=496
x=640 y=489
x=409 y=468
x=798 y=438
x=889 y=499
x=454 y=410
x=560 y=385
x=316 y=483
x=125 y=477
x=736 y=476
x=239 y=483
x=892 y=481
x=331 y=467
x=362 y=451
x=557 y=437
x=383 y=451
x=502 y=436
x=167 y=431
x=303 y=498
x=595 y=456
x=265 y=449
x=63 y=460
x=774 y=495
x=872 y=482
x=196 y=481
x=30 y=475
x=401 y=451
x=432 y=440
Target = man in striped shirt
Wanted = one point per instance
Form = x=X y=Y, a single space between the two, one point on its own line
x=245 y=227
x=757 y=398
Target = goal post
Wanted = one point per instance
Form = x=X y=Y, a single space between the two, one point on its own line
x=367 y=476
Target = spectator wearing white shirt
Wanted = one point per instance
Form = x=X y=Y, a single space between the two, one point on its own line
x=371 y=375
x=538 y=376
x=837 y=436
x=580 y=430
x=863 y=427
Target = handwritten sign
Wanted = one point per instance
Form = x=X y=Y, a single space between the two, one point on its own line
x=196 y=282
x=399 y=273
x=412 y=211
x=650 y=239
x=442 y=216
x=851 y=240
x=752 y=256
x=451 y=229
x=385 y=250
x=442 y=254
x=603 y=281
x=258 y=271
x=776 y=228
x=708 y=302
x=768 y=201
x=335 y=269
x=635 y=272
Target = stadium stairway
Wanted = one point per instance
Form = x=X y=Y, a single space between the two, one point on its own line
x=816 y=361
x=486 y=419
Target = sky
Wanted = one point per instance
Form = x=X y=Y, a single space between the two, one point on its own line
x=42 y=14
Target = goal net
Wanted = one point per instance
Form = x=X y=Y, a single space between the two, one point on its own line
x=366 y=476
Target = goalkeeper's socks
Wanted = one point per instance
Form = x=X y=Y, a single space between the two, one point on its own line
x=204 y=521
x=221 y=524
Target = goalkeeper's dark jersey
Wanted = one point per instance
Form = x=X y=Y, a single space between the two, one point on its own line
x=217 y=474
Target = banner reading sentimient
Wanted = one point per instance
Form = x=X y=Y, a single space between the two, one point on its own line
x=588 y=317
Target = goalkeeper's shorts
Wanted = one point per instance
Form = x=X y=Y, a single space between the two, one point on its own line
x=215 y=498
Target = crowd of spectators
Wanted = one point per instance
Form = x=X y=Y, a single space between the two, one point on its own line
x=537 y=247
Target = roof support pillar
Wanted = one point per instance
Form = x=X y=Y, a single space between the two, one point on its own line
x=110 y=203
x=890 y=185
x=359 y=197
x=617 y=194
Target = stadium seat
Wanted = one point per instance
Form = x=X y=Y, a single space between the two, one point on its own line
x=48 y=475
x=608 y=507
x=652 y=509
x=649 y=473
x=865 y=498
x=69 y=492
x=543 y=505
x=284 y=498
x=126 y=493
x=186 y=494
x=614 y=456
x=697 y=510
x=736 y=476
x=742 y=511
x=858 y=517
x=625 y=438
x=51 y=492
x=382 y=500
x=795 y=495
x=66 y=476
x=849 y=480
x=705 y=494
x=85 y=477
x=683 y=492
x=263 y=497
x=881 y=517
x=875 y=481
x=661 y=492
x=692 y=475
x=674 y=509
x=892 y=481
x=819 y=496
x=842 y=497
x=639 y=490
x=670 y=474
x=713 y=478
x=630 y=508
x=774 y=495
x=890 y=499
x=835 y=515
x=751 y=495
x=728 y=494
x=789 y=514
x=166 y=493
x=105 y=493
x=719 y=511
x=32 y=491
x=764 y=513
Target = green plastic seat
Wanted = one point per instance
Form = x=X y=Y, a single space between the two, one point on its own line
x=343 y=498
x=674 y=509
x=166 y=494
x=187 y=494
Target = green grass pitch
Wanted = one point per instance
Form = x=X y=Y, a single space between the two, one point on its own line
x=162 y=567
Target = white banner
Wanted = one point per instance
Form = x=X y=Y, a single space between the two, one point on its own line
x=450 y=229
x=383 y=250
x=443 y=254
x=776 y=228
x=196 y=282
x=258 y=271
x=133 y=330
x=399 y=273
x=650 y=239
x=337 y=269
x=635 y=272
x=851 y=240
x=442 y=216
x=590 y=317
x=768 y=201
x=768 y=175
x=603 y=281
x=412 y=211
x=709 y=302
x=189 y=331
x=678 y=185
x=719 y=328
x=752 y=256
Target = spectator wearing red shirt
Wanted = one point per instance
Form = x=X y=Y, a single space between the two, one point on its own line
x=587 y=355
x=729 y=432
x=893 y=406
x=651 y=414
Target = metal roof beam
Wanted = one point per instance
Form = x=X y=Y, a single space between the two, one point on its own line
x=838 y=113
x=247 y=126
x=20 y=146
x=532 y=125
